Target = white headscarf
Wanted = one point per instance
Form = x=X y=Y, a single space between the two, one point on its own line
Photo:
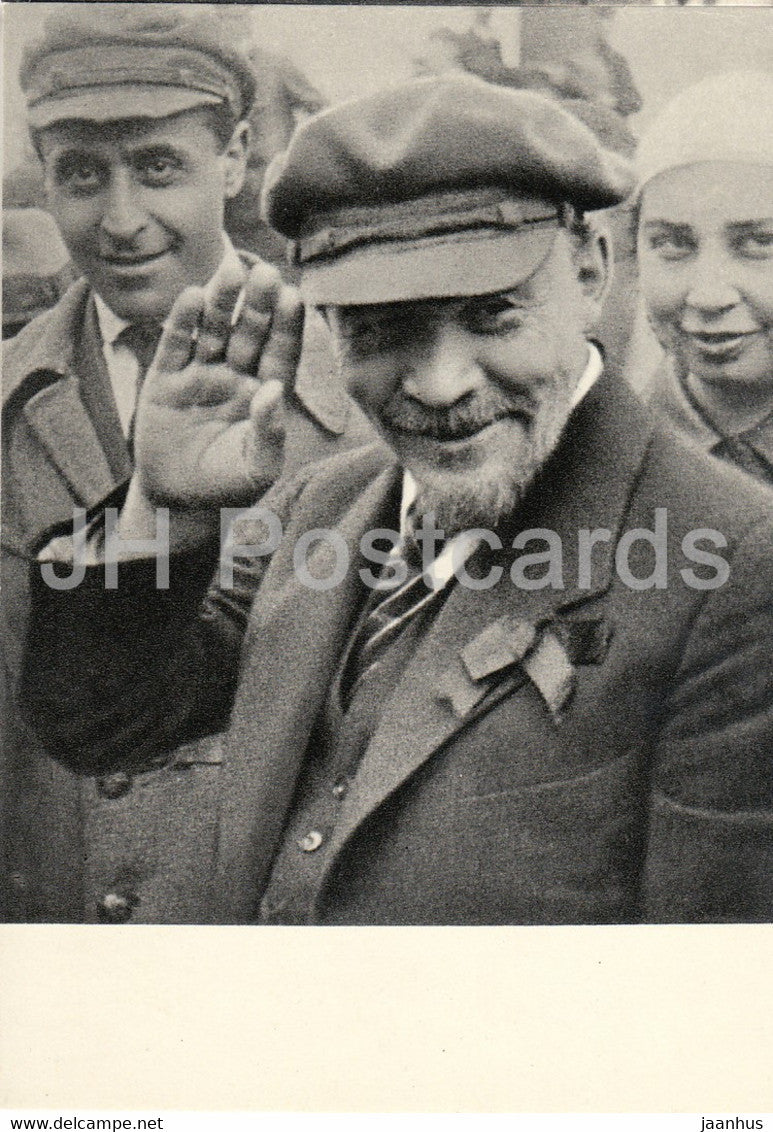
x=727 y=117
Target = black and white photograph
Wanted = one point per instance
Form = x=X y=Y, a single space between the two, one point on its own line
x=387 y=483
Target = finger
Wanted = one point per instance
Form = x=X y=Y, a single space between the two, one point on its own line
x=266 y=408
x=282 y=352
x=215 y=328
x=179 y=338
x=254 y=322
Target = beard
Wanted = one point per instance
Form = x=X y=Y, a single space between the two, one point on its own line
x=483 y=483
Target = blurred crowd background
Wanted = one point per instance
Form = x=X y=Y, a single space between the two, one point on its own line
x=614 y=66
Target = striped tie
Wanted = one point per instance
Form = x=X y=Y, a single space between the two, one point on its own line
x=387 y=619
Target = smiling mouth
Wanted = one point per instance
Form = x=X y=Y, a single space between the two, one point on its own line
x=132 y=261
x=719 y=344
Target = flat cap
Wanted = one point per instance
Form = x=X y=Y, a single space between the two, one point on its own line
x=102 y=62
x=726 y=117
x=437 y=187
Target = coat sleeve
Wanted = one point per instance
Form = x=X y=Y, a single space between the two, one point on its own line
x=710 y=846
x=118 y=677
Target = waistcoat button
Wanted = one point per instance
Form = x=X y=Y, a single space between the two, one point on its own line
x=311 y=841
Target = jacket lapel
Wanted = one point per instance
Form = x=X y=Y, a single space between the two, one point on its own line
x=59 y=420
x=43 y=379
x=587 y=485
x=760 y=440
x=294 y=640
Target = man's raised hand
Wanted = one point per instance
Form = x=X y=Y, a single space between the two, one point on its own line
x=210 y=420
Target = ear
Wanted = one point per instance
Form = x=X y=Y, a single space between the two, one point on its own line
x=235 y=160
x=593 y=260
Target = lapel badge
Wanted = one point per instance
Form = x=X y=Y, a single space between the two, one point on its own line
x=551 y=672
x=548 y=657
x=500 y=645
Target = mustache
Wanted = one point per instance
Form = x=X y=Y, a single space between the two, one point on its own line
x=453 y=422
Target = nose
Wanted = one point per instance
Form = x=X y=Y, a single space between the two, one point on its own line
x=442 y=368
x=123 y=218
x=711 y=289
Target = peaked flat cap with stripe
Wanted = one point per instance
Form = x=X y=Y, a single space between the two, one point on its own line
x=437 y=187
x=103 y=62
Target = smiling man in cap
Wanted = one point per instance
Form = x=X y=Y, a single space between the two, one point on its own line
x=483 y=732
x=138 y=114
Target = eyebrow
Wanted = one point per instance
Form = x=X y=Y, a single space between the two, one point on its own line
x=518 y=293
x=80 y=152
x=155 y=150
x=749 y=225
x=391 y=311
x=734 y=225
x=677 y=226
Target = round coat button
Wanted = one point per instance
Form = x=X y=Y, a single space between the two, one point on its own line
x=311 y=841
x=340 y=788
x=116 y=908
x=114 y=785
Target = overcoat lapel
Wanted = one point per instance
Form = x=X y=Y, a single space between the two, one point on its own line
x=587 y=485
x=59 y=420
x=293 y=644
x=45 y=371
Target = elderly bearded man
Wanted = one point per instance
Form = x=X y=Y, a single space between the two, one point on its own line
x=480 y=744
x=138 y=115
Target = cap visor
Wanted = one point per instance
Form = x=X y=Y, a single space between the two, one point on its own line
x=113 y=102
x=472 y=263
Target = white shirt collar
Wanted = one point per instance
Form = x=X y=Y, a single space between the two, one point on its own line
x=593 y=369
x=111 y=325
x=459 y=548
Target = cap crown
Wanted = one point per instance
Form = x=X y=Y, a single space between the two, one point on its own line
x=102 y=61
x=434 y=135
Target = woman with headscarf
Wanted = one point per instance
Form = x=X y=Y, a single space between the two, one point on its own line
x=705 y=250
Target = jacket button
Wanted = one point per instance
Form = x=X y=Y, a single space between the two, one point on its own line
x=114 y=785
x=311 y=841
x=340 y=788
x=116 y=908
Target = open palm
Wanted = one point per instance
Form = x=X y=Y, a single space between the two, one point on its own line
x=209 y=428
